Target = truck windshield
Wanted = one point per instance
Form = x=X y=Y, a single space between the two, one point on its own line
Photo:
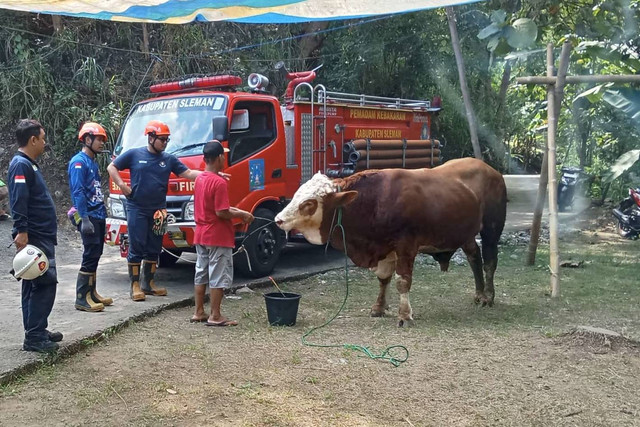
x=188 y=118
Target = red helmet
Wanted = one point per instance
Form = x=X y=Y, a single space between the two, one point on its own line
x=157 y=128
x=92 y=129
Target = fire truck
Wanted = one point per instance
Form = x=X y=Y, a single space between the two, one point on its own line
x=274 y=148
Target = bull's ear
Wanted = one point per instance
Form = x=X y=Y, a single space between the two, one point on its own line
x=343 y=198
x=308 y=207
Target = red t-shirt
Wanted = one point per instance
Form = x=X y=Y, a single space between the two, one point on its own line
x=211 y=195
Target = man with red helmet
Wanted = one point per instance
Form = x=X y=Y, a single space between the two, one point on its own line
x=150 y=168
x=88 y=199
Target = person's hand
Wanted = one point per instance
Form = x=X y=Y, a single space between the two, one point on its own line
x=126 y=190
x=247 y=218
x=21 y=240
x=224 y=175
x=86 y=227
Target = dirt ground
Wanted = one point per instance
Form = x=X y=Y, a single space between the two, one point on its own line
x=519 y=363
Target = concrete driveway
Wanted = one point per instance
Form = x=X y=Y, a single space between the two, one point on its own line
x=300 y=260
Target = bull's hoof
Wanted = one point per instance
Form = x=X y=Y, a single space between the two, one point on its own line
x=405 y=322
x=378 y=310
x=485 y=300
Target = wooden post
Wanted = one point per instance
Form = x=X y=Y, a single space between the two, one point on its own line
x=455 y=42
x=537 y=212
x=554 y=260
x=563 y=65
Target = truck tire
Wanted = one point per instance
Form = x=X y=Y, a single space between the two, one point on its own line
x=168 y=259
x=263 y=246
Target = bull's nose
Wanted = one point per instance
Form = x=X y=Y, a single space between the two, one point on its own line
x=278 y=222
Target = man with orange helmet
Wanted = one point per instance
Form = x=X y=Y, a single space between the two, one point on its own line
x=88 y=199
x=150 y=168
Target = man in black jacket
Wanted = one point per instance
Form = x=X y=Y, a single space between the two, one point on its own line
x=34 y=222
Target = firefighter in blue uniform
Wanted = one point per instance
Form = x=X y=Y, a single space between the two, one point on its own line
x=34 y=222
x=149 y=168
x=88 y=200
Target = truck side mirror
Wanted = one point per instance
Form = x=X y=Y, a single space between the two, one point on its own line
x=221 y=128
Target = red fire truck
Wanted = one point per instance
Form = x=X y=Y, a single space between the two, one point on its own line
x=274 y=148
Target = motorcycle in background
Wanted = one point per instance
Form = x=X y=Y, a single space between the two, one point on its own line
x=572 y=181
x=628 y=215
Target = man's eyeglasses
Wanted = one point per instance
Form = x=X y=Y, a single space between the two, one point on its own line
x=163 y=139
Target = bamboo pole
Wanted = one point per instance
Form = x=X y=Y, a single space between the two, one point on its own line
x=537 y=212
x=549 y=80
x=563 y=65
x=554 y=260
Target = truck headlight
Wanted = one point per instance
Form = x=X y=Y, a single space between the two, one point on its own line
x=117 y=208
x=189 y=211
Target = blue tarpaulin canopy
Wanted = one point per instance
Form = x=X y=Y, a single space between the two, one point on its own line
x=248 y=11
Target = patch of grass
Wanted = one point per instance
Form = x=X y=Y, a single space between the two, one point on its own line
x=603 y=292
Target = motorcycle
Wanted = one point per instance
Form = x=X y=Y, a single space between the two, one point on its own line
x=628 y=215
x=572 y=181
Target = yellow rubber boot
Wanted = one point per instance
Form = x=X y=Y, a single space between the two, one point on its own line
x=134 y=276
x=84 y=301
x=148 y=283
x=94 y=292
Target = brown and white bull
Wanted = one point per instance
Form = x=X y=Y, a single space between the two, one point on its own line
x=391 y=215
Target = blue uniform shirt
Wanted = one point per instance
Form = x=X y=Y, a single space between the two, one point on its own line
x=86 y=189
x=32 y=207
x=149 y=176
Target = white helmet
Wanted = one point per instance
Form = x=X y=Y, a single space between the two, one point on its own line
x=30 y=263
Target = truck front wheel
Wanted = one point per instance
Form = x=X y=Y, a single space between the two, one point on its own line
x=262 y=245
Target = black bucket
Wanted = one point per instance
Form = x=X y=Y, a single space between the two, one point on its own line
x=282 y=308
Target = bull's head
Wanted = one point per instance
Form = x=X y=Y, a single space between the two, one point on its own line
x=313 y=200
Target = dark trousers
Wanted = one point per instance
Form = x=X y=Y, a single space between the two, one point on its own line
x=93 y=246
x=38 y=296
x=143 y=243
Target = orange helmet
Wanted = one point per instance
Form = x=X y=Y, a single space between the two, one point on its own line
x=92 y=129
x=157 y=128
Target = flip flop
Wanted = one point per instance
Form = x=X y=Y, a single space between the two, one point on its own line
x=192 y=320
x=222 y=323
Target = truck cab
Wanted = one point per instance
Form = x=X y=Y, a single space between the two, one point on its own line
x=250 y=125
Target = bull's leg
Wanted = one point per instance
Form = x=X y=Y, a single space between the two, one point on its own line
x=490 y=256
x=384 y=270
x=404 y=269
x=474 y=257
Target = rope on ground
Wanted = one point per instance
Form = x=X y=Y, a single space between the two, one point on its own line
x=386 y=354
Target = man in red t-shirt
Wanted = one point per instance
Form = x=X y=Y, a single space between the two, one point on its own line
x=214 y=236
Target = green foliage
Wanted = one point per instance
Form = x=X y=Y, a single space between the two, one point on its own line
x=93 y=70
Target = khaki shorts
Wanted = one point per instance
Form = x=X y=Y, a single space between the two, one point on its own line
x=214 y=266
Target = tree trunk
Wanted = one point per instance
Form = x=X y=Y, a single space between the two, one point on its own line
x=310 y=44
x=504 y=85
x=56 y=20
x=455 y=42
x=145 y=39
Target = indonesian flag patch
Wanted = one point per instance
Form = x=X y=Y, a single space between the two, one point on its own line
x=78 y=166
x=19 y=179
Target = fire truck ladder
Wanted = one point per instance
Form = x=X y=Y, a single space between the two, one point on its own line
x=315 y=128
x=325 y=96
